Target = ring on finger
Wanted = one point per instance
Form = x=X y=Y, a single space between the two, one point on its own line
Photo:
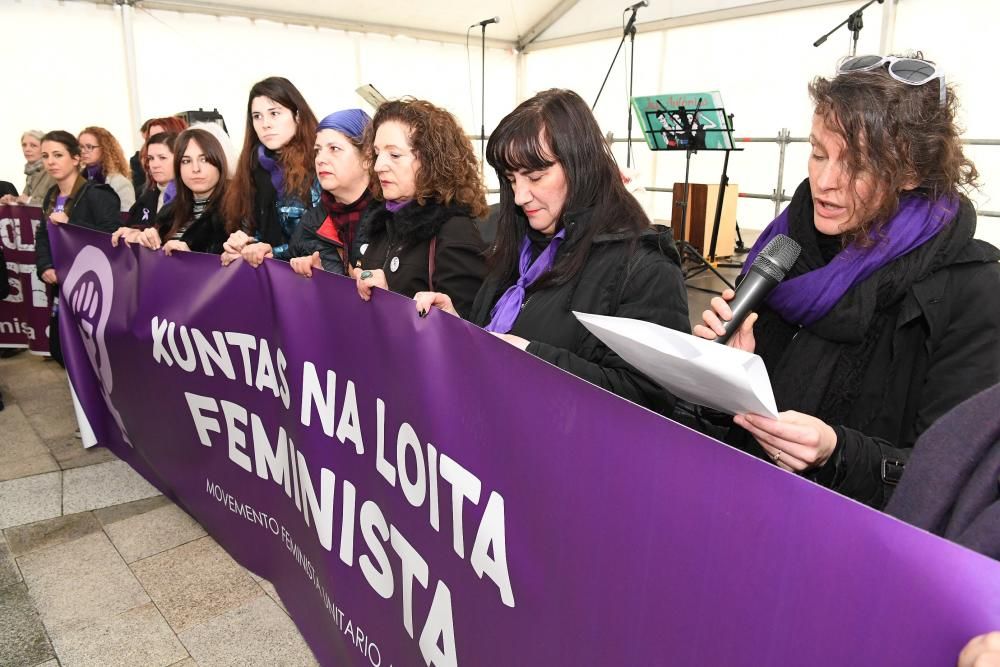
x=365 y=275
x=776 y=457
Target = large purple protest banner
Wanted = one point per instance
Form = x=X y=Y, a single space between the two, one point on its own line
x=420 y=492
x=24 y=315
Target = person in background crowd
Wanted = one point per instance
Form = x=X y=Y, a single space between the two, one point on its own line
x=328 y=237
x=193 y=220
x=571 y=237
x=8 y=191
x=140 y=176
x=37 y=180
x=159 y=154
x=422 y=232
x=72 y=200
x=890 y=317
x=275 y=182
x=104 y=162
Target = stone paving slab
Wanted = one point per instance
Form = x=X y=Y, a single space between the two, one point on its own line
x=49 y=533
x=80 y=583
x=23 y=453
x=138 y=637
x=41 y=396
x=30 y=499
x=53 y=421
x=9 y=574
x=115 y=513
x=255 y=633
x=151 y=533
x=195 y=582
x=23 y=642
x=70 y=453
x=103 y=485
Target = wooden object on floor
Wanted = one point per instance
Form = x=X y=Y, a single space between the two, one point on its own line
x=701 y=217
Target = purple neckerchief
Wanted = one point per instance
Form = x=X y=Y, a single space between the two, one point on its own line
x=806 y=298
x=169 y=193
x=94 y=173
x=393 y=205
x=272 y=167
x=506 y=310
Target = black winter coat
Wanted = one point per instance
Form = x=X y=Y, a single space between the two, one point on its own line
x=143 y=211
x=641 y=281
x=932 y=347
x=206 y=234
x=403 y=240
x=90 y=205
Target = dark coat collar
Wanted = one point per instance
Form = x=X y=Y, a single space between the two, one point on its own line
x=413 y=222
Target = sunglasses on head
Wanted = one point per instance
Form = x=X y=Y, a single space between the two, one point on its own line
x=910 y=71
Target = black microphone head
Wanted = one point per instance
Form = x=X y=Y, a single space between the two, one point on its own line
x=777 y=257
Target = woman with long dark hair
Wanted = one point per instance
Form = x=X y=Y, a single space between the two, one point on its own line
x=193 y=220
x=890 y=317
x=275 y=182
x=571 y=237
x=73 y=200
x=421 y=232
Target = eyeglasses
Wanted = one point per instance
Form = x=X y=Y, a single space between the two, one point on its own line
x=910 y=71
x=88 y=148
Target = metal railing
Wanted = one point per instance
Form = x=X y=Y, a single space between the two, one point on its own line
x=783 y=140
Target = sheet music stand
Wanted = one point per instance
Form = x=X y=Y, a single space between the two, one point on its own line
x=685 y=122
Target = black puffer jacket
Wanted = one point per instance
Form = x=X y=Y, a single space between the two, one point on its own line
x=90 y=205
x=639 y=280
x=403 y=240
x=899 y=350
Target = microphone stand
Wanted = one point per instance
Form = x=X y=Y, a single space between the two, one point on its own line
x=854 y=23
x=482 y=106
x=630 y=33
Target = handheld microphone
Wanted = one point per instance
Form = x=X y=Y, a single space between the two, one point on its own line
x=485 y=22
x=641 y=3
x=768 y=269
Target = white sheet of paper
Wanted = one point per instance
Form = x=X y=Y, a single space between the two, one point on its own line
x=697 y=370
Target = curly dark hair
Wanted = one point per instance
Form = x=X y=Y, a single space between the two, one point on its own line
x=898 y=133
x=112 y=156
x=448 y=171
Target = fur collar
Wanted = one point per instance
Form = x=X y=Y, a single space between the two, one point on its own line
x=413 y=222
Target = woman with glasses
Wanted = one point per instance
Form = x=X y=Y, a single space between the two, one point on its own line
x=37 y=181
x=570 y=237
x=275 y=182
x=891 y=315
x=104 y=162
x=421 y=232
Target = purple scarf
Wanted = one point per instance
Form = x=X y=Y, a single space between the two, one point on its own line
x=393 y=205
x=506 y=310
x=94 y=173
x=169 y=193
x=273 y=168
x=806 y=298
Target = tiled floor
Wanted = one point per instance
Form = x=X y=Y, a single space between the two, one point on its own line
x=97 y=568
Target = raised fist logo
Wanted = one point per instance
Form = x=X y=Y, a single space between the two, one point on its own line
x=87 y=291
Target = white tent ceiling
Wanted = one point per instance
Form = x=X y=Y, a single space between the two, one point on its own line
x=537 y=23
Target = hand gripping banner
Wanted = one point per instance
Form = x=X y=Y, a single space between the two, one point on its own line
x=422 y=493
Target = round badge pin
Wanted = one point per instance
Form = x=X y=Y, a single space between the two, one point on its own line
x=394 y=264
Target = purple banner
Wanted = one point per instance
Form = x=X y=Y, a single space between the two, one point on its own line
x=24 y=315
x=420 y=492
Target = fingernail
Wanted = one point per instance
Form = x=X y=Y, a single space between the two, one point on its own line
x=422 y=312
